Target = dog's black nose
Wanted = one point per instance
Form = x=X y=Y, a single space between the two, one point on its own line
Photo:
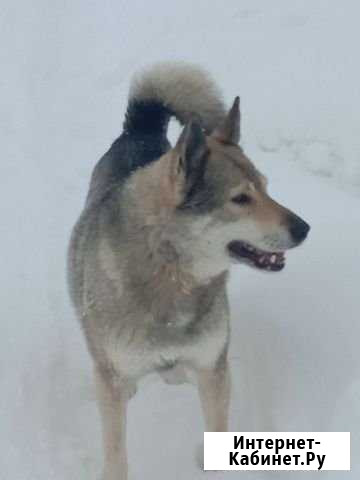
x=298 y=228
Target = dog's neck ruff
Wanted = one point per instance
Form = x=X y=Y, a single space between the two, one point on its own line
x=172 y=275
x=164 y=264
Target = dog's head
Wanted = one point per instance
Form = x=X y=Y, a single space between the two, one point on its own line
x=214 y=191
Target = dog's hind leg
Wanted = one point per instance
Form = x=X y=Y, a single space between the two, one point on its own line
x=214 y=391
x=113 y=394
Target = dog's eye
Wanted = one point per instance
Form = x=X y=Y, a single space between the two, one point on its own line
x=241 y=199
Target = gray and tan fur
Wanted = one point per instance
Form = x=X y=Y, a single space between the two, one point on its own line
x=149 y=255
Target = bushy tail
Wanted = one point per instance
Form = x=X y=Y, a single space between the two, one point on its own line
x=180 y=89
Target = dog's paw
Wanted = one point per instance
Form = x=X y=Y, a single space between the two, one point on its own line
x=199 y=459
x=199 y=456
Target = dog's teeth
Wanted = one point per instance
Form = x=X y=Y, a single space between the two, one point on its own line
x=273 y=258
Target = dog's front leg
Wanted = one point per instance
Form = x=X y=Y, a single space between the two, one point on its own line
x=113 y=395
x=214 y=391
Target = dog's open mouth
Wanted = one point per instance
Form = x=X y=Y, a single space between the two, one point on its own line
x=271 y=261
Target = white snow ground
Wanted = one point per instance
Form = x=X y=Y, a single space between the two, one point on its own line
x=295 y=356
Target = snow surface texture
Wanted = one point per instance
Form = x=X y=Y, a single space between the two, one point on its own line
x=295 y=358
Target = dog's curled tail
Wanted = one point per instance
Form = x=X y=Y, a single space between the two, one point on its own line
x=172 y=88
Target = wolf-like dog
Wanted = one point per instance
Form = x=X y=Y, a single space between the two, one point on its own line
x=150 y=254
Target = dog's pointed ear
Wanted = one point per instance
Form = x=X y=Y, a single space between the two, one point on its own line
x=191 y=150
x=188 y=165
x=229 y=130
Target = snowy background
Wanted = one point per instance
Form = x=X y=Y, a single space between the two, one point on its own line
x=65 y=69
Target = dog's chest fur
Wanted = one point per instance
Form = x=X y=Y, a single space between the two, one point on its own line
x=167 y=293
x=162 y=317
